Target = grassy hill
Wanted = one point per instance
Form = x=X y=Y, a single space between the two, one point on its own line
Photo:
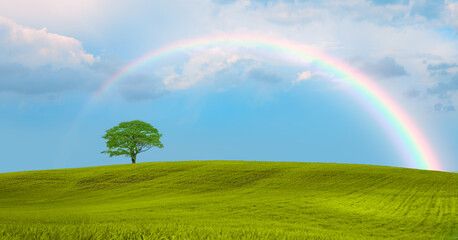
x=229 y=200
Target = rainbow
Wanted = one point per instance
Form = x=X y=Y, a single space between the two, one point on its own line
x=413 y=145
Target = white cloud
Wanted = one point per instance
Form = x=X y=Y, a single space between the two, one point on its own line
x=313 y=75
x=303 y=76
x=365 y=29
x=34 y=48
x=38 y=63
x=201 y=66
x=359 y=29
x=56 y=16
x=452 y=15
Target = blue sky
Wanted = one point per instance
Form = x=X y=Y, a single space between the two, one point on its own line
x=220 y=102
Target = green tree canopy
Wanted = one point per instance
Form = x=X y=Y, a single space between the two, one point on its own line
x=131 y=138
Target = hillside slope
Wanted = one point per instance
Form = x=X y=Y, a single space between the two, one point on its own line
x=229 y=200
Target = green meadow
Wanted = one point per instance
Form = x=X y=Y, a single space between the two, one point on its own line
x=229 y=200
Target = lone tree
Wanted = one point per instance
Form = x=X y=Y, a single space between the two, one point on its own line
x=131 y=138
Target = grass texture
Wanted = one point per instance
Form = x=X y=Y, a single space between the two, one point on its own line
x=229 y=200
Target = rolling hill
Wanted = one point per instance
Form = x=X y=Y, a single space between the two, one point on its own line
x=229 y=200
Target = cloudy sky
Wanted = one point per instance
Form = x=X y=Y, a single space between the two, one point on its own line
x=222 y=102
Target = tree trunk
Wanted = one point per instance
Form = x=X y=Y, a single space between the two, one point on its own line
x=134 y=158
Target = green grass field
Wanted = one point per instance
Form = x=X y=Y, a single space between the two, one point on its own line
x=229 y=200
